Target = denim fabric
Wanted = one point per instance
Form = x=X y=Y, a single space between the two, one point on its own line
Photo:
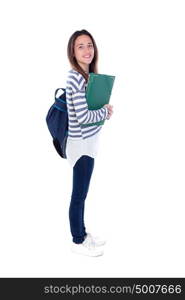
x=82 y=172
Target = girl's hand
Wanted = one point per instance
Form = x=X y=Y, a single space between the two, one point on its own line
x=110 y=110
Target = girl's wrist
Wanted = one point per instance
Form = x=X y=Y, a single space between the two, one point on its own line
x=108 y=114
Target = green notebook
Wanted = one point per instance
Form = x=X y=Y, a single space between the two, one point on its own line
x=98 y=93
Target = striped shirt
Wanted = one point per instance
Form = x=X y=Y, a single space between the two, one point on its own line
x=77 y=107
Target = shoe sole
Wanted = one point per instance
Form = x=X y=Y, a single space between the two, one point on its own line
x=96 y=255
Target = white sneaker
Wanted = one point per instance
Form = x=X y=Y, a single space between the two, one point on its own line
x=96 y=240
x=86 y=248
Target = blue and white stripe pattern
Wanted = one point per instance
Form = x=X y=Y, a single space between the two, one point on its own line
x=78 y=112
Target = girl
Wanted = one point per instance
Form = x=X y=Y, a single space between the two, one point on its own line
x=82 y=142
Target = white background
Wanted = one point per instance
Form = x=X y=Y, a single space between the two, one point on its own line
x=136 y=197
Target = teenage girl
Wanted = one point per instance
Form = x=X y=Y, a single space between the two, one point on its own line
x=82 y=142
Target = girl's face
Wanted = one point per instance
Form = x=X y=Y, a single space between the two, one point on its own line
x=84 y=51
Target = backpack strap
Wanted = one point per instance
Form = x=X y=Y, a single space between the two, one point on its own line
x=58 y=90
x=60 y=101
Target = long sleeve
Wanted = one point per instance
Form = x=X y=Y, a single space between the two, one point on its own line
x=84 y=115
x=78 y=112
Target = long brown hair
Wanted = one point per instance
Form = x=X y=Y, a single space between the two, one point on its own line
x=70 y=53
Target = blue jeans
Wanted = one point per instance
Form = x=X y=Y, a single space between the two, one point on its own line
x=82 y=172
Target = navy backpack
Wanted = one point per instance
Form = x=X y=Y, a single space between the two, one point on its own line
x=57 y=122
